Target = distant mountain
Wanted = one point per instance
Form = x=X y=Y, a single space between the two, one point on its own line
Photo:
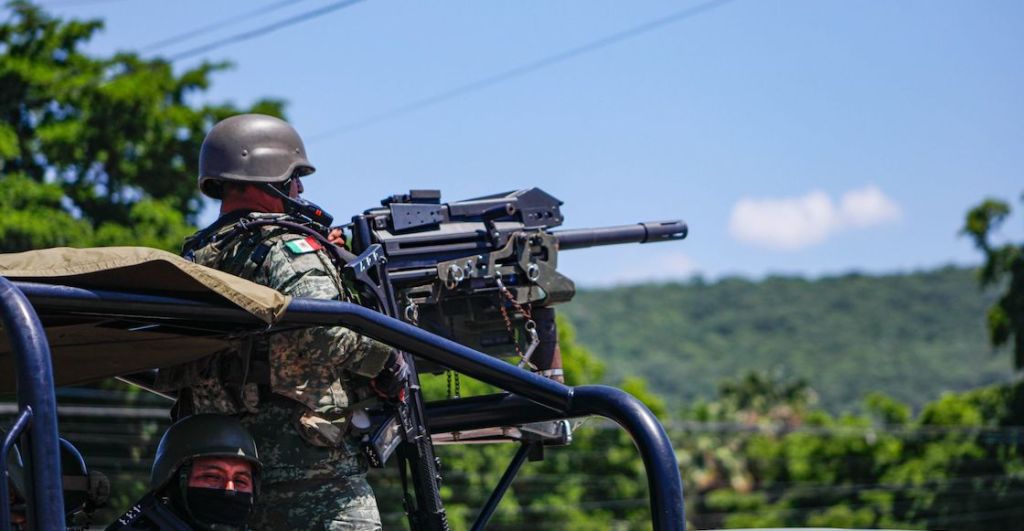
x=911 y=336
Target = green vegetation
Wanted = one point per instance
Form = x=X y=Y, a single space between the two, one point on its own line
x=911 y=336
x=778 y=461
x=96 y=150
x=594 y=483
x=1004 y=264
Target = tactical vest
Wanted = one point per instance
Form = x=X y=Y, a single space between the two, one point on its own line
x=325 y=369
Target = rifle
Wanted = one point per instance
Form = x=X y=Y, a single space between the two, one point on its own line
x=482 y=272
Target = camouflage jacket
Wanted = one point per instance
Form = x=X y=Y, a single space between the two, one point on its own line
x=324 y=369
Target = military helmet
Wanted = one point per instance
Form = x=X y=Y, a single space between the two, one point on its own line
x=204 y=435
x=250 y=148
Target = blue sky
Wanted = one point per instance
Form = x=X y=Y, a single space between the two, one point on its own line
x=808 y=137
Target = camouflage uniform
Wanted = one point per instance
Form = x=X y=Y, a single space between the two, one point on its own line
x=314 y=475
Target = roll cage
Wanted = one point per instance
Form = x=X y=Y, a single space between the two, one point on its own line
x=528 y=398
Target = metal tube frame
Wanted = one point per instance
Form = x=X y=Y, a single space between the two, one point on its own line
x=537 y=398
x=20 y=423
x=503 y=484
x=40 y=445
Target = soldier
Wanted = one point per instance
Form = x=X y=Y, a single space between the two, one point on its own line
x=15 y=486
x=84 y=490
x=205 y=476
x=295 y=391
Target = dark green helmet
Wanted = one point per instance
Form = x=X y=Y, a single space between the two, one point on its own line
x=206 y=435
x=250 y=148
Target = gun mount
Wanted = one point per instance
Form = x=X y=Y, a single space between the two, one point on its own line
x=471 y=270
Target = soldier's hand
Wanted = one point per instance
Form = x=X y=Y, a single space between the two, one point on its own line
x=337 y=237
x=391 y=382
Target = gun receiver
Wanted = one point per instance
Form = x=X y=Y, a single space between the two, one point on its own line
x=456 y=266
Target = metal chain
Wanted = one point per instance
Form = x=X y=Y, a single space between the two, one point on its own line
x=529 y=325
x=508 y=326
x=412 y=315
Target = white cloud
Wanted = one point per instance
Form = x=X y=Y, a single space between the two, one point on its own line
x=791 y=223
x=868 y=206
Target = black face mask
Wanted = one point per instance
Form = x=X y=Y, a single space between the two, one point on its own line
x=218 y=506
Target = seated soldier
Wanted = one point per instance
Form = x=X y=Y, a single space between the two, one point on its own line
x=205 y=476
x=15 y=485
x=84 y=489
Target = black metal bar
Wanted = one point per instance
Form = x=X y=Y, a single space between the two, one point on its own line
x=645 y=232
x=20 y=423
x=57 y=298
x=659 y=459
x=663 y=479
x=499 y=490
x=40 y=449
x=487 y=411
x=311 y=312
x=409 y=338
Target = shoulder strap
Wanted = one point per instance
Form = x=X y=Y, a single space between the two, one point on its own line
x=149 y=510
x=204 y=237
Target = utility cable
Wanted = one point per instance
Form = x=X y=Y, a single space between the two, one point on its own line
x=217 y=25
x=263 y=30
x=76 y=3
x=524 y=69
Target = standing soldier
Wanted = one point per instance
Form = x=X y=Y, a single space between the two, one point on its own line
x=295 y=391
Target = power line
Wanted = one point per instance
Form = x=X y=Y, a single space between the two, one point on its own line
x=877 y=430
x=525 y=69
x=217 y=25
x=263 y=30
x=60 y=3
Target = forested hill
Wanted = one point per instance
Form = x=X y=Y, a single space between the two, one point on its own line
x=911 y=336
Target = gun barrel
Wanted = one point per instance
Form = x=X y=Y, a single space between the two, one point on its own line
x=644 y=232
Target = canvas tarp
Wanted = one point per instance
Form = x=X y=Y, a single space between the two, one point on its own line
x=85 y=350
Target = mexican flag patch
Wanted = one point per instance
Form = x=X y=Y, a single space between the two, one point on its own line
x=303 y=246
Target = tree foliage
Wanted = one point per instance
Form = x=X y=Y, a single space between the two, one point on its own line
x=957 y=465
x=598 y=482
x=96 y=150
x=1004 y=267
x=910 y=335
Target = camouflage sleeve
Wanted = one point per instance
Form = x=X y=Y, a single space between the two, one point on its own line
x=307 y=274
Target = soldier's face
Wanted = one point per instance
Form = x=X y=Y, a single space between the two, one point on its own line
x=225 y=473
x=296 y=188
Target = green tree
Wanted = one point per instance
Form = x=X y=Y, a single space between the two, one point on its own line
x=847 y=335
x=96 y=150
x=1004 y=265
x=598 y=482
x=956 y=465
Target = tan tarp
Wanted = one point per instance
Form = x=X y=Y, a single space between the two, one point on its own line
x=88 y=351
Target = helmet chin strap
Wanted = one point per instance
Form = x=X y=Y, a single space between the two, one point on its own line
x=300 y=207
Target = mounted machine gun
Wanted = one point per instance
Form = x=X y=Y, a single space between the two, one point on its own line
x=483 y=273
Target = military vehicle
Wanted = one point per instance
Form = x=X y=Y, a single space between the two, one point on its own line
x=451 y=285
